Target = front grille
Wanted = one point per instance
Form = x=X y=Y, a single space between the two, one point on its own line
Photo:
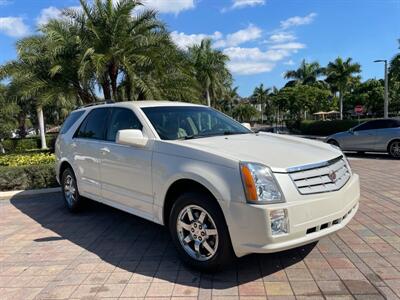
x=321 y=178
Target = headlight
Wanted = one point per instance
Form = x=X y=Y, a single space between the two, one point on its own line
x=259 y=184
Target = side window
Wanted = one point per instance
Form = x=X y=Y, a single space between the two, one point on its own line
x=366 y=126
x=70 y=120
x=121 y=118
x=93 y=126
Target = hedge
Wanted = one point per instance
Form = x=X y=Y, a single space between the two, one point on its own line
x=25 y=144
x=325 y=128
x=32 y=158
x=27 y=177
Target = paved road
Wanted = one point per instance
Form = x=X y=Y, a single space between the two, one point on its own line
x=46 y=253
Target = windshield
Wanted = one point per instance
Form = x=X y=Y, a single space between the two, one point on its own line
x=187 y=122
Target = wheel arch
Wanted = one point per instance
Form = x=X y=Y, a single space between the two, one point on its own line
x=180 y=186
x=391 y=141
x=64 y=165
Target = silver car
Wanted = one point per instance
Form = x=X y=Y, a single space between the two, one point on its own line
x=373 y=136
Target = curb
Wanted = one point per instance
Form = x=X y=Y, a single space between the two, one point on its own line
x=26 y=193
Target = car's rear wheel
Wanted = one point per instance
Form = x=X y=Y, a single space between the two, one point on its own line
x=394 y=149
x=70 y=192
x=199 y=232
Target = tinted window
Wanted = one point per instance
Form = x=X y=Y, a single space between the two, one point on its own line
x=122 y=118
x=180 y=122
x=93 y=126
x=378 y=124
x=70 y=120
x=393 y=123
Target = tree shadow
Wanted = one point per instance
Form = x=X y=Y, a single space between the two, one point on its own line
x=139 y=246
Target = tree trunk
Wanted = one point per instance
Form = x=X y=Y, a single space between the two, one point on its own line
x=113 y=73
x=341 y=104
x=208 y=97
x=21 y=124
x=39 y=111
x=2 y=151
x=106 y=90
x=262 y=113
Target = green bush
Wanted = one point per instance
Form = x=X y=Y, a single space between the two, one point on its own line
x=27 y=177
x=325 y=128
x=26 y=144
x=34 y=158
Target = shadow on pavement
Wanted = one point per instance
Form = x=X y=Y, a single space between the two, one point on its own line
x=370 y=155
x=139 y=246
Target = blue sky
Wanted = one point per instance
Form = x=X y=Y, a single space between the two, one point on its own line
x=263 y=38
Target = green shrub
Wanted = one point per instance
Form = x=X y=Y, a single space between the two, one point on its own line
x=325 y=128
x=27 y=177
x=26 y=144
x=34 y=158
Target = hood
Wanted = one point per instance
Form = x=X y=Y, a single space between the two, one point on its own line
x=278 y=152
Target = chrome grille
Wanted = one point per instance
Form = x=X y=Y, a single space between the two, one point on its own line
x=321 y=178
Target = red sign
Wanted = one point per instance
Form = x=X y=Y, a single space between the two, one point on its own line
x=359 y=109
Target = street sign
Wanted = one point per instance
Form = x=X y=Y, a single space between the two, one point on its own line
x=359 y=109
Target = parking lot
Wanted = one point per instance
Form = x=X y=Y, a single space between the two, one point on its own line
x=47 y=253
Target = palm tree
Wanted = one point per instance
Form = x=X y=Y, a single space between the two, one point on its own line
x=123 y=46
x=244 y=112
x=307 y=73
x=31 y=74
x=211 y=70
x=260 y=95
x=340 y=75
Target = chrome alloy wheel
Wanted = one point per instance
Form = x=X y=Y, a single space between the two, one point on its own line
x=395 y=149
x=69 y=189
x=197 y=232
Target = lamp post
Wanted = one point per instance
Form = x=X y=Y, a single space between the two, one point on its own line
x=386 y=102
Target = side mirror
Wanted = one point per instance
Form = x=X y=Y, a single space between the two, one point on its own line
x=247 y=125
x=351 y=131
x=131 y=137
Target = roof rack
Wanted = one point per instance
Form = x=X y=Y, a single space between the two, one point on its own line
x=97 y=103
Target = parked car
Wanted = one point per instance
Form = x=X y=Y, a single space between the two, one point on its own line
x=221 y=189
x=373 y=136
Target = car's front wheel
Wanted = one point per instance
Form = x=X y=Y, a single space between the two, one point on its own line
x=199 y=232
x=70 y=192
x=394 y=149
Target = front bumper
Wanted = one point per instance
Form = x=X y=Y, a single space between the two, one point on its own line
x=310 y=218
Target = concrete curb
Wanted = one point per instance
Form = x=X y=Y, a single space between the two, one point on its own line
x=26 y=193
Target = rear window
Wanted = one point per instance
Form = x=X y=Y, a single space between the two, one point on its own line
x=70 y=120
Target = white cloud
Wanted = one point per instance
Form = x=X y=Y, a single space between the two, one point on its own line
x=297 y=21
x=247 y=61
x=290 y=62
x=281 y=37
x=47 y=14
x=5 y=2
x=244 y=3
x=289 y=46
x=186 y=40
x=169 y=6
x=239 y=37
x=13 y=26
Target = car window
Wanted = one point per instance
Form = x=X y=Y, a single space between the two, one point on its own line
x=93 y=127
x=393 y=123
x=183 y=122
x=70 y=120
x=369 y=125
x=121 y=118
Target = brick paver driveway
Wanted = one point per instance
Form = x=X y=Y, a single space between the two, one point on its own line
x=47 y=253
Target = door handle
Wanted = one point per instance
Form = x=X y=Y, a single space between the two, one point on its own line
x=105 y=150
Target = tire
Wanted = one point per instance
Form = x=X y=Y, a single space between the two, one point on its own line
x=214 y=248
x=394 y=149
x=334 y=143
x=72 y=199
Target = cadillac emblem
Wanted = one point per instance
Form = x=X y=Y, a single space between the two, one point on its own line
x=332 y=176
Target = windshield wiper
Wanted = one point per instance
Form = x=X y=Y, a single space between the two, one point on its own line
x=196 y=136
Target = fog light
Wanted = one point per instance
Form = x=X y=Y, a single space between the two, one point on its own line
x=279 y=221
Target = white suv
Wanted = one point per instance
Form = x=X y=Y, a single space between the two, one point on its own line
x=221 y=189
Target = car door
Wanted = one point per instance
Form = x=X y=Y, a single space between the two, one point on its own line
x=363 y=137
x=388 y=130
x=126 y=170
x=86 y=145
